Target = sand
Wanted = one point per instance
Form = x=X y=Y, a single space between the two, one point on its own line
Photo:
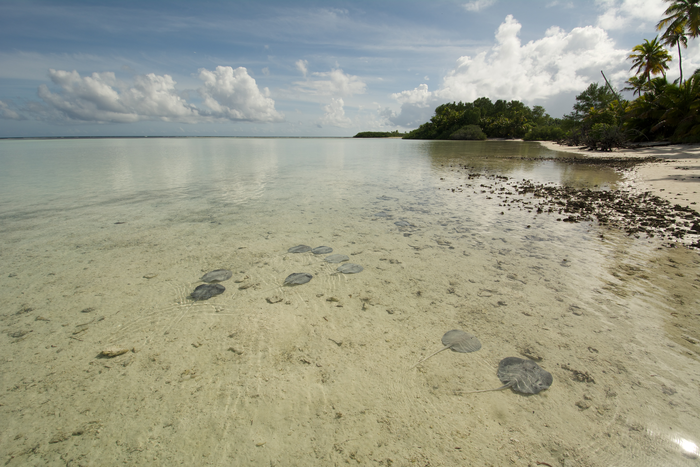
x=675 y=178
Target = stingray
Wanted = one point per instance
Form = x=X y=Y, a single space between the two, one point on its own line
x=336 y=258
x=299 y=249
x=206 y=291
x=350 y=268
x=456 y=341
x=322 y=250
x=218 y=275
x=522 y=375
x=298 y=278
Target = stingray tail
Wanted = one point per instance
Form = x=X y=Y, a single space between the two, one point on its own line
x=505 y=386
x=434 y=353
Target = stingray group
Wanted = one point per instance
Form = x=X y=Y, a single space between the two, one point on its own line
x=212 y=288
x=520 y=374
x=299 y=278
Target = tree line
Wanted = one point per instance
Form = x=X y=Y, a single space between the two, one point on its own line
x=601 y=119
x=483 y=119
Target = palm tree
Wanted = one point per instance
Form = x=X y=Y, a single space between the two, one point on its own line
x=683 y=14
x=636 y=85
x=650 y=58
x=675 y=37
x=680 y=104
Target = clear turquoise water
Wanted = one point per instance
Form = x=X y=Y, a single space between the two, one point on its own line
x=83 y=223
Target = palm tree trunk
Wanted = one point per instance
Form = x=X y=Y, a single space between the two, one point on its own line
x=680 y=63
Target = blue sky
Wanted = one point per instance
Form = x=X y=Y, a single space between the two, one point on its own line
x=301 y=68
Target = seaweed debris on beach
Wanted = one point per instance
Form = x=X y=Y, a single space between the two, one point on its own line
x=633 y=211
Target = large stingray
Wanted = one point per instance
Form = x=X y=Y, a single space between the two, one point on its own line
x=206 y=291
x=337 y=258
x=299 y=249
x=218 y=275
x=522 y=375
x=322 y=250
x=350 y=268
x=457 y=341
x=298 y=278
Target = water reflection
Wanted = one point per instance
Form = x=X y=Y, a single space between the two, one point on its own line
x=518 y=160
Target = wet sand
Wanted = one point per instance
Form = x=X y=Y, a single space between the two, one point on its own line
x=676 y=177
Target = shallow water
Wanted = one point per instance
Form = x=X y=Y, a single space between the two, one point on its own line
x=102 y=241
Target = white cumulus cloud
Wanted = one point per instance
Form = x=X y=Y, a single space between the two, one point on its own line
x=334 y=114
x=234 y=95
x=7 y=112
x=303 y=66
x=228 y=94
x=333 y=83
x=626 y=14
x=560 y=62
x=478 y=5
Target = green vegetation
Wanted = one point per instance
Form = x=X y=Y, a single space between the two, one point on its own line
x=601 y=119
x=483 y=119
x=379 y=134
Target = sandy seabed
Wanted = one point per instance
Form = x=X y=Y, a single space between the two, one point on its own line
x=320 y=374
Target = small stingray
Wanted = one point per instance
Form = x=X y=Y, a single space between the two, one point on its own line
x=350 y=268
x=403 y=224
x=336 y=258
x=522 y=375
x=456 y=341
x=322 y=250
x=218 y=275
x=298 y=278
x=299 y=249
x=206 y=291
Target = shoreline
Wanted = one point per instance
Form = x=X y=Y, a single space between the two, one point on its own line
x=675 y=177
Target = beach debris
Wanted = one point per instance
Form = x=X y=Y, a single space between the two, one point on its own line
x=350 y=268
x=322 y=250
x=457 y=341
x=87 y=310
x=299 y=249
x=150 y=275
x=337 y=258
x=274 y=299
x=206 y=291
x=522 y=375
x=218 y=275
x=632 y=211
x=59 y=437
x=111 y=352
x=18 y=334
x=578 y=375
x=298 y=278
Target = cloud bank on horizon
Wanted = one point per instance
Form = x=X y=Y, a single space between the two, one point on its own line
x=305 y=89
x=227 y=94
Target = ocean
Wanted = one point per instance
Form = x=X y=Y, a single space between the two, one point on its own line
x=102 y=241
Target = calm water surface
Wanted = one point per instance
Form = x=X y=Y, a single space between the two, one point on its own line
x=103 y=240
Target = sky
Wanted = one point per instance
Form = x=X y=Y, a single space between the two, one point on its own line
x=302 y=68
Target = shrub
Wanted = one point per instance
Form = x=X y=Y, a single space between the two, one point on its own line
x=469 y=132
x=604 y=137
